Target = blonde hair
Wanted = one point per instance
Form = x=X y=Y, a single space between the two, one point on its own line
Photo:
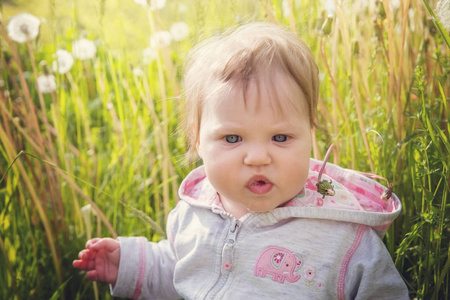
x=251 y=53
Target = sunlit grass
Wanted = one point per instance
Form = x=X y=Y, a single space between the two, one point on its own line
x=107 y=136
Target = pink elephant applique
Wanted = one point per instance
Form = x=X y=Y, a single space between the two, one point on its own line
x=280 y=263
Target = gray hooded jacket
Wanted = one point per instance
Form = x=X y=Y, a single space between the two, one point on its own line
x=310 y=248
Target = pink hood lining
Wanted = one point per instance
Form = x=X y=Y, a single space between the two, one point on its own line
x=357 y=198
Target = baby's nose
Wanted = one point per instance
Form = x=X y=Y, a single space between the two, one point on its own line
x=257 y=156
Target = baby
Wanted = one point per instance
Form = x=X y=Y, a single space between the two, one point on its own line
x=251 y=222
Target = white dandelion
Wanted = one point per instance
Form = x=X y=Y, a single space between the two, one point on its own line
x=46 y=83
x=329 y=7
x=149 y=54
x=395 y=4
x=443 y=13
x=63 y=62
x=23 y=27
x=179 y=31
x=160 y=39
x=411 y=14
x=157 y=4
x=285 y=8
x=138 y=72
x=182 y=8
x=86 y=212
x=141 y=2
x=84 y=49
x=153 y=5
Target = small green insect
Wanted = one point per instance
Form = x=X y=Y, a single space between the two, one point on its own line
x=388 y=193
x=325 y=188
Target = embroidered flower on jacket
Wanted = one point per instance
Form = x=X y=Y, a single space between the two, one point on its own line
x=23 y=27
x=84 y=49
x=310 y=273
x=278 y=257
x=64 y=61
x=160 y=39
x=46 y=83
x=179 y=31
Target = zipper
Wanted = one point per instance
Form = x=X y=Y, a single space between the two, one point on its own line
x=226 y=259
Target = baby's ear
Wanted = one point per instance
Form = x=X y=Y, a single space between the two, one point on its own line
x=198 y=148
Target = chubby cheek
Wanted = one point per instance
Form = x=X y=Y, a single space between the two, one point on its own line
x=219 y=169
x=297 y=178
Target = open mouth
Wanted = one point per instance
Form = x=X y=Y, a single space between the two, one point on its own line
x=259 y=185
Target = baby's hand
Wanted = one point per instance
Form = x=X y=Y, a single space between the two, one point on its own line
x=100 y=259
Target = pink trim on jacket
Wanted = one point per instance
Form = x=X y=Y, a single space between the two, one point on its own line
x=346 y=261
x=142 y=265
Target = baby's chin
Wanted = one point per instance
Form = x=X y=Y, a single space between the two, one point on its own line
x=258 y=208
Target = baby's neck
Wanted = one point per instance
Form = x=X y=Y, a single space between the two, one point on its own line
x=236 y=210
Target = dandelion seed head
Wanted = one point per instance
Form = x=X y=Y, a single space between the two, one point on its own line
x=150 y=53
x=63 y=62
x=141 y=2
x=152 y=4
x=329 y=6
x=157 y=4
x=160 y=39
x=395 y=4
x=285 y=8
x=411 y=17
x=138 y=72
x=23 y=27
x=86 y=209
x=46 y=83
x=182 y=8
x=179 y=31
x=443 y=13
x=84 y=49
x=69 y=155
x=27 y=74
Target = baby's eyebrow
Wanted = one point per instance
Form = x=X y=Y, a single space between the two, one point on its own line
x=226 y=126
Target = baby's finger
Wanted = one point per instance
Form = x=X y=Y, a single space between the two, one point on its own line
x=92 y=275
x=86 y=255
x=107 y=244
x=83 y=264
x=91 y=242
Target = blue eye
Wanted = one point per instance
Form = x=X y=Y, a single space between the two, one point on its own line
x=232 y=139
x=280 y=138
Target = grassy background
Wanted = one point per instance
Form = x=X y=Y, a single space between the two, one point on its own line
x=107 y=137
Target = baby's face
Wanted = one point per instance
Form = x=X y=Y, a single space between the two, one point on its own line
x=254 y=155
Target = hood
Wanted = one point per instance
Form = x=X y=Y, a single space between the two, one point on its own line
x=357 y=198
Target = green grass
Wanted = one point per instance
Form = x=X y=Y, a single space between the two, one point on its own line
x=108 y=138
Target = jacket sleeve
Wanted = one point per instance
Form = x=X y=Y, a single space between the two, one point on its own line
x=146 y=269
x=371 y=273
